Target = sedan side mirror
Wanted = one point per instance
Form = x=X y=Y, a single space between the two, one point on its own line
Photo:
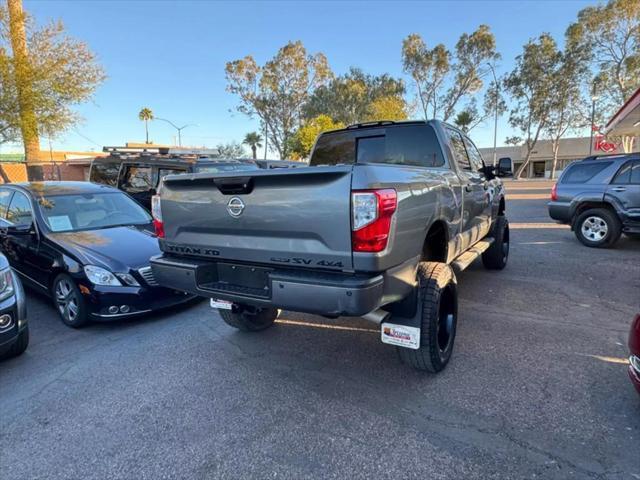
x=25 y=229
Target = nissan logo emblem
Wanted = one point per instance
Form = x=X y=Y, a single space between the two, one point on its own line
x=235 y=206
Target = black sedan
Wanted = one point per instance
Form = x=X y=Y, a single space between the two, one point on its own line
x=14 y=331
x=87 y=246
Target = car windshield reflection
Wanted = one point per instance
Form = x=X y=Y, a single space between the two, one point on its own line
x=75 y=213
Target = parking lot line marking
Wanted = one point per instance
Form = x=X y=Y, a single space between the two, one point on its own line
x=532 y=225
x=527 y=196
x=323 y=325
x=616 y=360
x=537 y=243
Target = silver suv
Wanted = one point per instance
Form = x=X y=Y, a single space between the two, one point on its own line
x=600 y=198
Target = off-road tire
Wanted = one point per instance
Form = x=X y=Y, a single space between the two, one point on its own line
x=437 y=294
x=249 y=319
x=610 y=219
x=20 y=345
x=495 y=257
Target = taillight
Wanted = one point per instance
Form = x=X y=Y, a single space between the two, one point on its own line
x=156 y=213
x=371 y=212
x=554 y=192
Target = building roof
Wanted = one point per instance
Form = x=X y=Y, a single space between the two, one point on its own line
x=626 y=121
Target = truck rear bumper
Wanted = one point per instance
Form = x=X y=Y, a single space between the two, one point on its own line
x=324 y=293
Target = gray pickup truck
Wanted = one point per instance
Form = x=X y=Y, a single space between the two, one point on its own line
x=375 y=228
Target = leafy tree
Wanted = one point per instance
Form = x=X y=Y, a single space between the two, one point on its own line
x=349 y=98
x=276 y=92
x=442 y=79
x=145 y=115
x=229 y=150
x=567 y=111
x=515 y=141
x=387 y=108
x=610 y=34
x=254 y=140
x=302 y=142
x=43 y=74
x=473 y=52
x=531 y=85
x=428 y=68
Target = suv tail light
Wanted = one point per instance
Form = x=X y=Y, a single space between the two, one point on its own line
x=371 y=213
x=554 y=192
x=156 y=213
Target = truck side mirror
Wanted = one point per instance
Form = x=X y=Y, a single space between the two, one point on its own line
x=505 y=167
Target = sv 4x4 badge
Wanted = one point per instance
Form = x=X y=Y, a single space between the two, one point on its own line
x=306 y=261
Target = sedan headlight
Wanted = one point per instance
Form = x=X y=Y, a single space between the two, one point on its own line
x=128 y=279
x=100 y=276
x=6 y=284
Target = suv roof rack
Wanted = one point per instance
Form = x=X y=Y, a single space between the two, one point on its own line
x=179 y=151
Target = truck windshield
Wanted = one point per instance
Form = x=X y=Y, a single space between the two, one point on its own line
x=413 y=145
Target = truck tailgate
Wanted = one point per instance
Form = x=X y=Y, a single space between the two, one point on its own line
x=287 y=217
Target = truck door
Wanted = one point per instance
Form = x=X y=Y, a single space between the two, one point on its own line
x=471 y=188
x=484 y=197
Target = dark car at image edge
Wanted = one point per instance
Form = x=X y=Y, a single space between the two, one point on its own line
x=87 y=246
x=634 y=349
x=600 y=198
x=14 y=331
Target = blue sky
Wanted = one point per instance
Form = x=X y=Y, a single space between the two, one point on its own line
x=170 y=55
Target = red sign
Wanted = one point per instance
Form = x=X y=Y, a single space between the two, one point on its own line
x=603 y=145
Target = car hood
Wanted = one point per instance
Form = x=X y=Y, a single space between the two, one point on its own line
x=118 y=249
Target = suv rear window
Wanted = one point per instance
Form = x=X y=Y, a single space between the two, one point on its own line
x=415 y=145
x=583 y=171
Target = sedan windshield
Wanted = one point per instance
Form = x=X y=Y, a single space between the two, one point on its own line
x=74 y=213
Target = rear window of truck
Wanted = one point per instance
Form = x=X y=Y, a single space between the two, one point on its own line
x=583 y=172
x=414 y=145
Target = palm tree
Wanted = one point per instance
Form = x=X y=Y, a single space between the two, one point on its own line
x=254 y=140
x=145 y=115
x=464 y=120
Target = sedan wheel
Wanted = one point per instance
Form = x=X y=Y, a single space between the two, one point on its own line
x=69 y=301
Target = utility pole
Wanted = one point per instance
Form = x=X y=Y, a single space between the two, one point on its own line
x=28 y=119
x=266 y=143
x=594 y=98
x=495 y=121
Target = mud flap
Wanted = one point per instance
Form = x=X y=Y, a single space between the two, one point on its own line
x=400 y=335
x=403 y=327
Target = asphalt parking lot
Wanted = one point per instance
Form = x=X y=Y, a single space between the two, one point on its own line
x=537 y=387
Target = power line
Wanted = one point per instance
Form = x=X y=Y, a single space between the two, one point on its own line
x=87 y=138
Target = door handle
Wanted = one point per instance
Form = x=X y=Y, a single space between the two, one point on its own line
x=468 y=187
x=619 y=189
